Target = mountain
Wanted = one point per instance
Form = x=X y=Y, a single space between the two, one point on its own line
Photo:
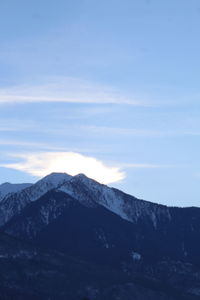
x=12 y=204
x=90 y=232
x=8 y=188
x=126 y=206
x=159 y=231
x=80 y=216
x=153 y=248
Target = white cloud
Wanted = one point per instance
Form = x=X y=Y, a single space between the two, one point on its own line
x=69 y=90
x=41 y=164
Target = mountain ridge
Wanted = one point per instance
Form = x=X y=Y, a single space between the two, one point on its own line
x=8 y=188
x=158 y=224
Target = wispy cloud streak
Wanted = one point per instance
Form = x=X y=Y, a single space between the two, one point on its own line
x=67 y=90
x=138 y=132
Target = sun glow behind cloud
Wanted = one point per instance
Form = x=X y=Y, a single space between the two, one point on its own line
x=42 y=164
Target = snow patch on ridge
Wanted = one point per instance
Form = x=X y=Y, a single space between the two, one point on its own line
x=88 y=191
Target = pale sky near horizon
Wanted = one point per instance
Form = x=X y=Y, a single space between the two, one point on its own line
x=107 y=88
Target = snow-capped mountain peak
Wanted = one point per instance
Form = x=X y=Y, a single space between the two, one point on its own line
x=46 y=184
x=54 y=179
x=12 y=204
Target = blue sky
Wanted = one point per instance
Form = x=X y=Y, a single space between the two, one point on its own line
x=106 y=86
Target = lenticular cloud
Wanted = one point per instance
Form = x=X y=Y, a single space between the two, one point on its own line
x=42 y=164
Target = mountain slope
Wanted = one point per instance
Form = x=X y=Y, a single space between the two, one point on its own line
x=56 y=218
x=137 y=280
x=28 y=272
x=23 y=264
x=128 y=207
x=61 y=222
x=7 y=188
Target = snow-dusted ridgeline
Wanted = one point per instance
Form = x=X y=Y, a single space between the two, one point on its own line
x=12 y=204
x=87 y=190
